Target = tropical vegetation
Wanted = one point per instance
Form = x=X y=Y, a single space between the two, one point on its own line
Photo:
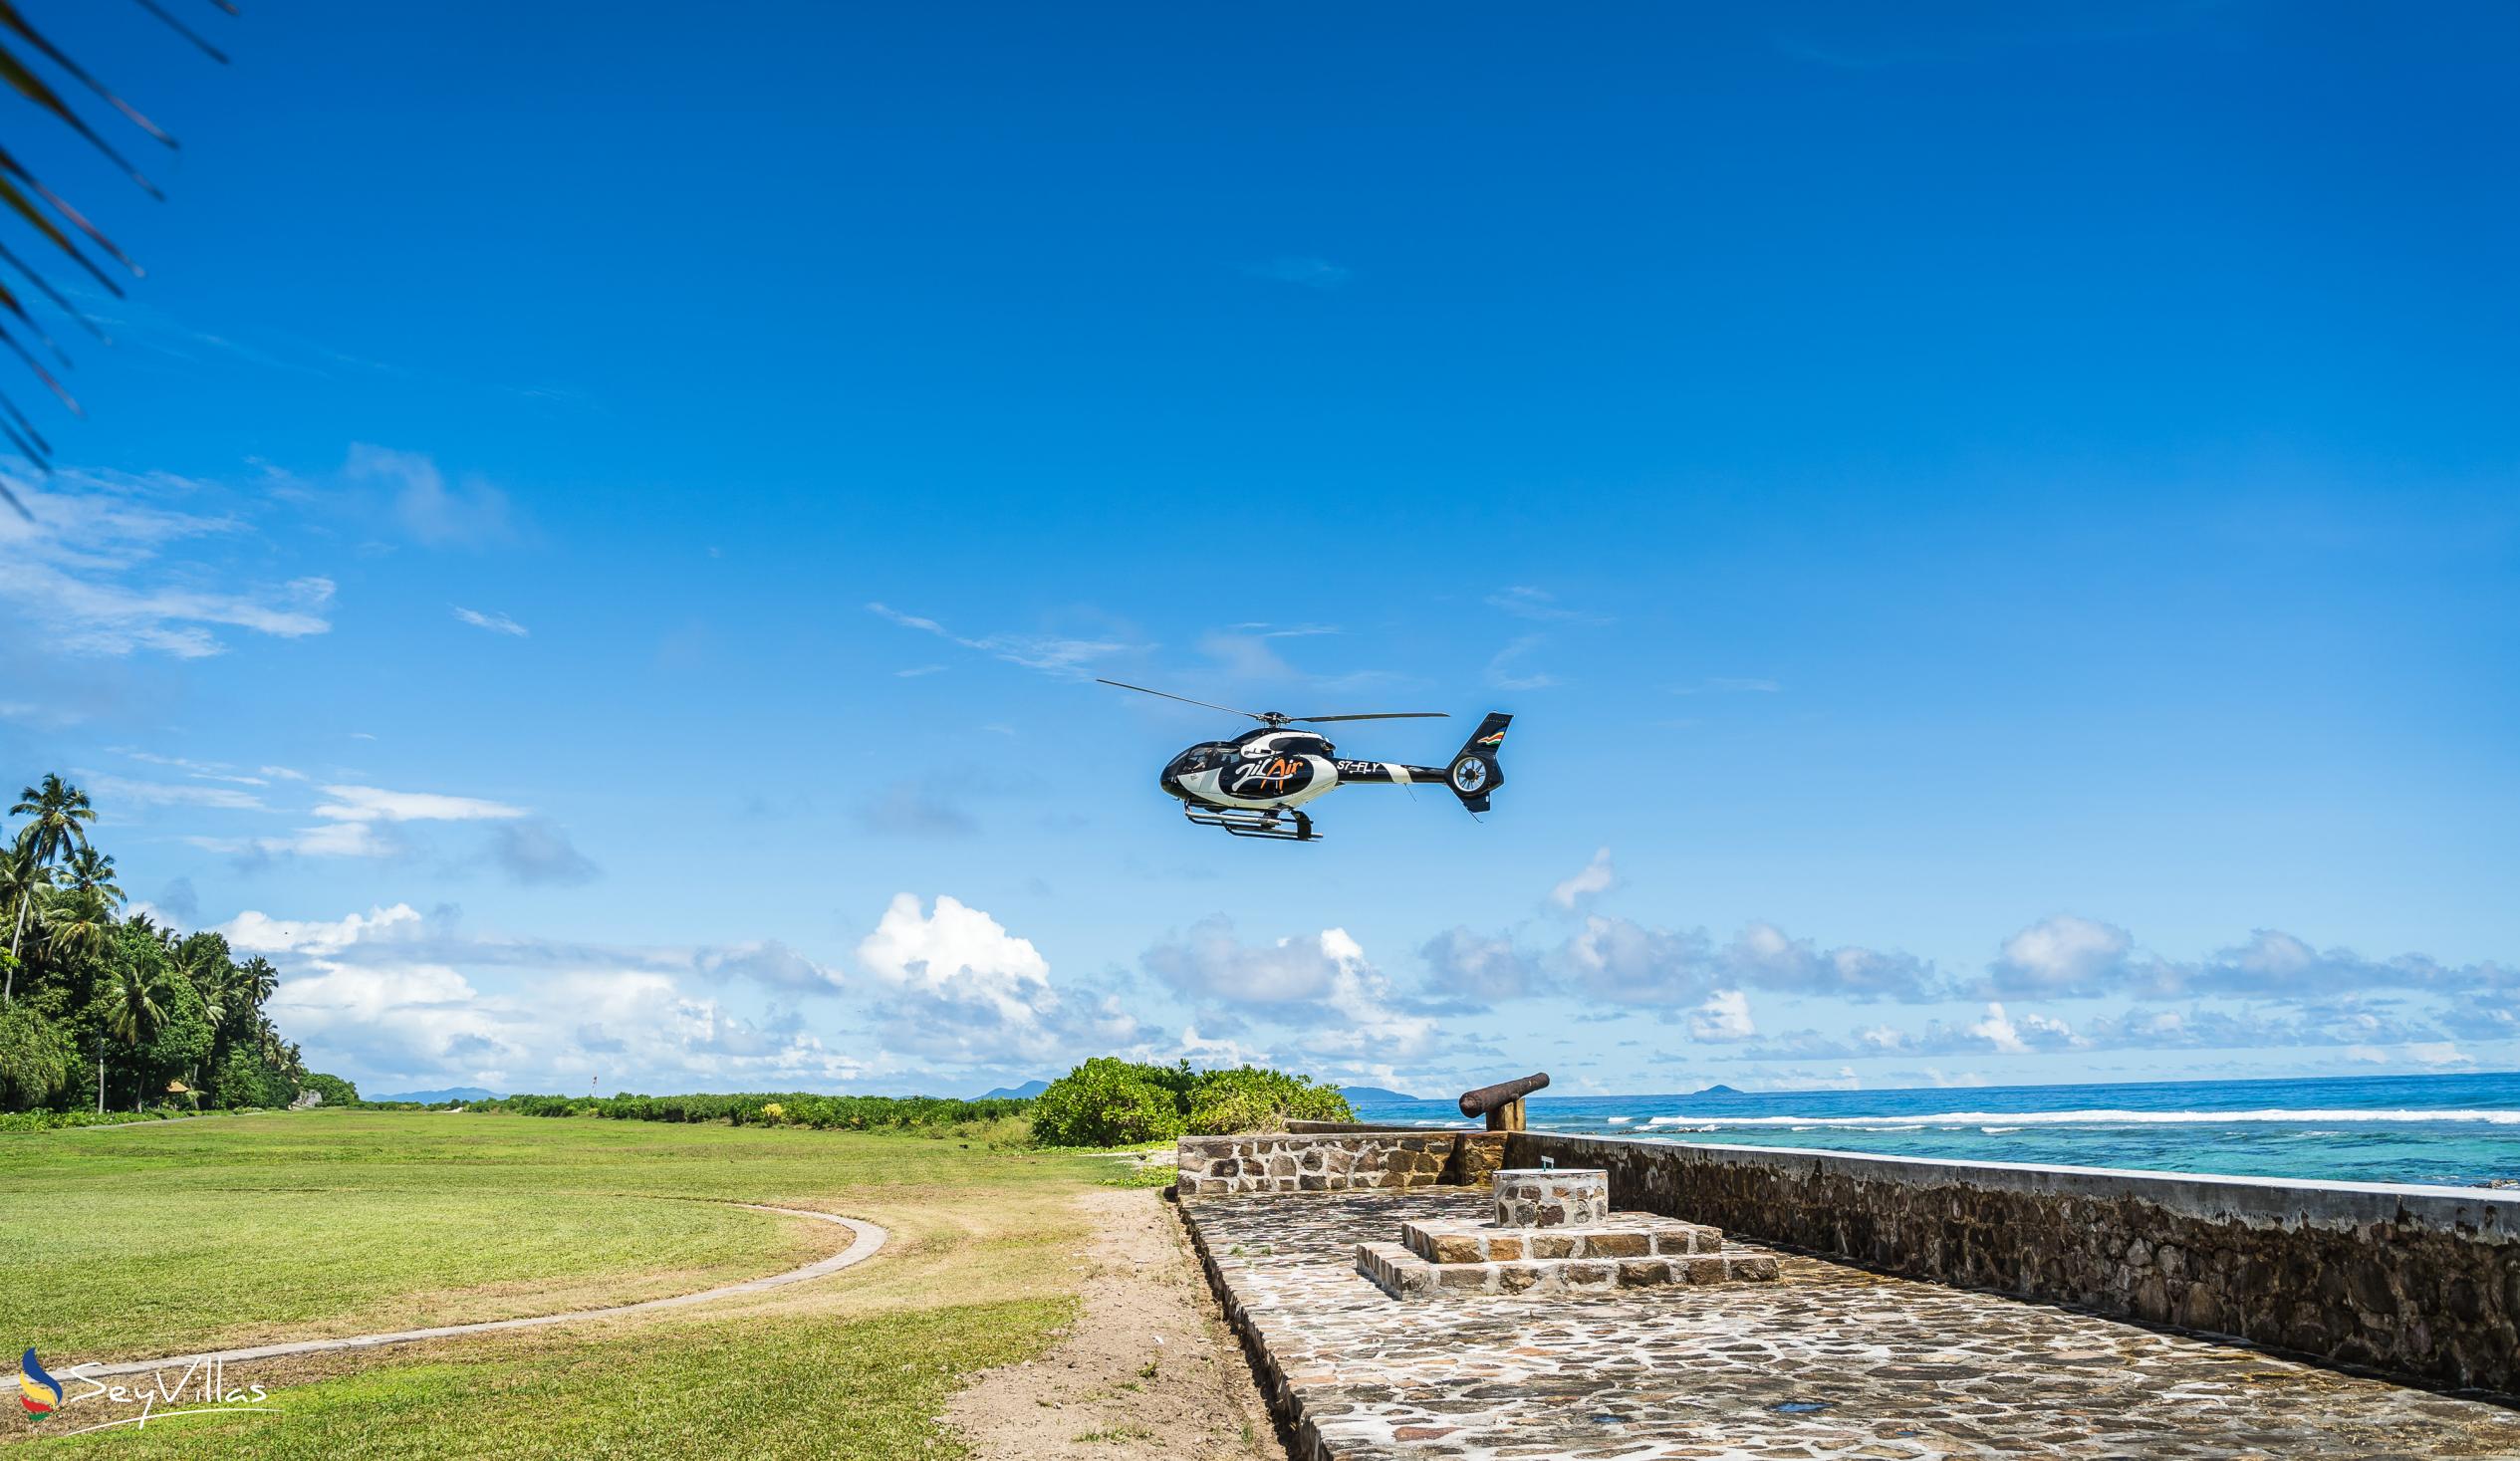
x=103 y=1010
x=1107 y=1102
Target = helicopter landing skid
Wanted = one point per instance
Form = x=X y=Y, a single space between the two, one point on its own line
x=1241 y=822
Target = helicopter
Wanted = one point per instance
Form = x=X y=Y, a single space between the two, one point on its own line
x=1256 y=783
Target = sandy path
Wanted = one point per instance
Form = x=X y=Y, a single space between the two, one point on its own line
x=1148 y=1370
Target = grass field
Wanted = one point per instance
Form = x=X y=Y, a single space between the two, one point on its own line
x=140 y=1241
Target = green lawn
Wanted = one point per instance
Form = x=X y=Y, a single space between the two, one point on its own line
x=153 y=1240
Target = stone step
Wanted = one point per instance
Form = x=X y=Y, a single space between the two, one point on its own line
x=1626 y=1235
x=1403 y=1275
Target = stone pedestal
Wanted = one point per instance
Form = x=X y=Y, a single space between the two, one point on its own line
x=1554 y=1233
x=1552 y=1197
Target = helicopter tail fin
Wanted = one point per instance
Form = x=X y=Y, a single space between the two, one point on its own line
x=1475 y=772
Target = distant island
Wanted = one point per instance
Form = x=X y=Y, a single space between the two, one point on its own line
x=1025 y=1092
x=1373 y=1092
x=433 y=1098
x=1716 y=1091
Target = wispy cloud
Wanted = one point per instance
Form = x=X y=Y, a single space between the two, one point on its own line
x=374 y=804
x=1055 y=655
x=434 y=512
x=90 y=568
x=115 y=795
x=1503 y=674
x=497 y=623
x=1305 y=269
x=1540 y=607
x=1727 y=685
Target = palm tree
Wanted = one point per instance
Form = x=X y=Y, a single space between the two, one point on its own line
x=93 y=871
x=56 y=811
x=257 y=981
x=131 y=1011
x=77 y=921
x=23 y=882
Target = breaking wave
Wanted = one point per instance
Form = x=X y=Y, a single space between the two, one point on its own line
x=2085 y=1118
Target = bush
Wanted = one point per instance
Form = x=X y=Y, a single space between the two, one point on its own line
x=245 y=1081
x=1109 y=1102
x=1250 y=1098
x=333 y=1090
x=57 y=1120
x=785 y=1109
x=38 y=1067
x=1116 y=1102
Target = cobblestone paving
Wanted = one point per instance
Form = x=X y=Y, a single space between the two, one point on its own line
x=1831 y=1362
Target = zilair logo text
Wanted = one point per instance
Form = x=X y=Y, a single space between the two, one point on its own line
x=198 y=1387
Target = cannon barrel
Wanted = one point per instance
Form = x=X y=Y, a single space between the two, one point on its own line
x=1488 y=1098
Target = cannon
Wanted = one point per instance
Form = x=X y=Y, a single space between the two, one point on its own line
x=1502 y=1102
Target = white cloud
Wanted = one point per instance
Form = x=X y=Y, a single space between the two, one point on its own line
x=1336 y=1005
x=955 y=985
x=1209 y=963
x=1478 y=966
x=497 y=623
x=473 y=514
x=374 y=804
x=91 y=569
x=392 y=996
x=1724 y=1016
x=2062 y=954
x=1598 y=878
x=1999 y=1031
x=2433 y=1055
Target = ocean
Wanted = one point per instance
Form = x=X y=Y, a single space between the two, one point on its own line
x=2453 y=1130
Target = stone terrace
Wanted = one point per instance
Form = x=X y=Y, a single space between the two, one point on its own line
x=1832 y=1362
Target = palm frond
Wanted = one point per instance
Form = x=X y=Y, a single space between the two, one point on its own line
x=22 y=46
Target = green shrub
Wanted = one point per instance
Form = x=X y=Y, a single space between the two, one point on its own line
x=1115 y=1102
x=1109 y=1102
x=246 y=1081
x=38 y=1066
x=57 y=1120
x=333 y=1090
x=783 y=1108
x=1250 y=1098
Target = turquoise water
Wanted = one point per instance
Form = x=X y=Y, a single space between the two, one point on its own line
x=2456 y=1131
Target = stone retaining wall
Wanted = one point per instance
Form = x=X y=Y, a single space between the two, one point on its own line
x=2421 y=1282
x=1335 y=1162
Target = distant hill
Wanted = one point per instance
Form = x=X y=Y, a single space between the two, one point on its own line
x=1372 y=1093
x=1716 y=1091
x=1025 y=1092
x=432 y=1098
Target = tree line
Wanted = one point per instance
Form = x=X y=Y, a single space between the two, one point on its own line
x=100 y=1008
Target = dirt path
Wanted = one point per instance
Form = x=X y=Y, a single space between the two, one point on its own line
x=867 y=1240
x=1148 y=1370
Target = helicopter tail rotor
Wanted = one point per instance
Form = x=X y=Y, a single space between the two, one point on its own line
x=1476 y=773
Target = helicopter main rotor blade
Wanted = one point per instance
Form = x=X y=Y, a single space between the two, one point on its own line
x=1382 y=715
x=1184 y=699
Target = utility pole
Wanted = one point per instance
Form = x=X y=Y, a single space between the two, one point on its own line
x=99 y=1075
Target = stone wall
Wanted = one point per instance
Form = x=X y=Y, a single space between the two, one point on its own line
x=2420 y=1282
x=1336 y=1161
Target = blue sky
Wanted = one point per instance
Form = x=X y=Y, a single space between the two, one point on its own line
x=2001 y=535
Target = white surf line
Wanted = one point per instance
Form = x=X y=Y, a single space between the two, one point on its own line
x=870 y=1240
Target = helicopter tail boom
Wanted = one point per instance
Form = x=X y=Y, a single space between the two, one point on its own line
x=1474 y=773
